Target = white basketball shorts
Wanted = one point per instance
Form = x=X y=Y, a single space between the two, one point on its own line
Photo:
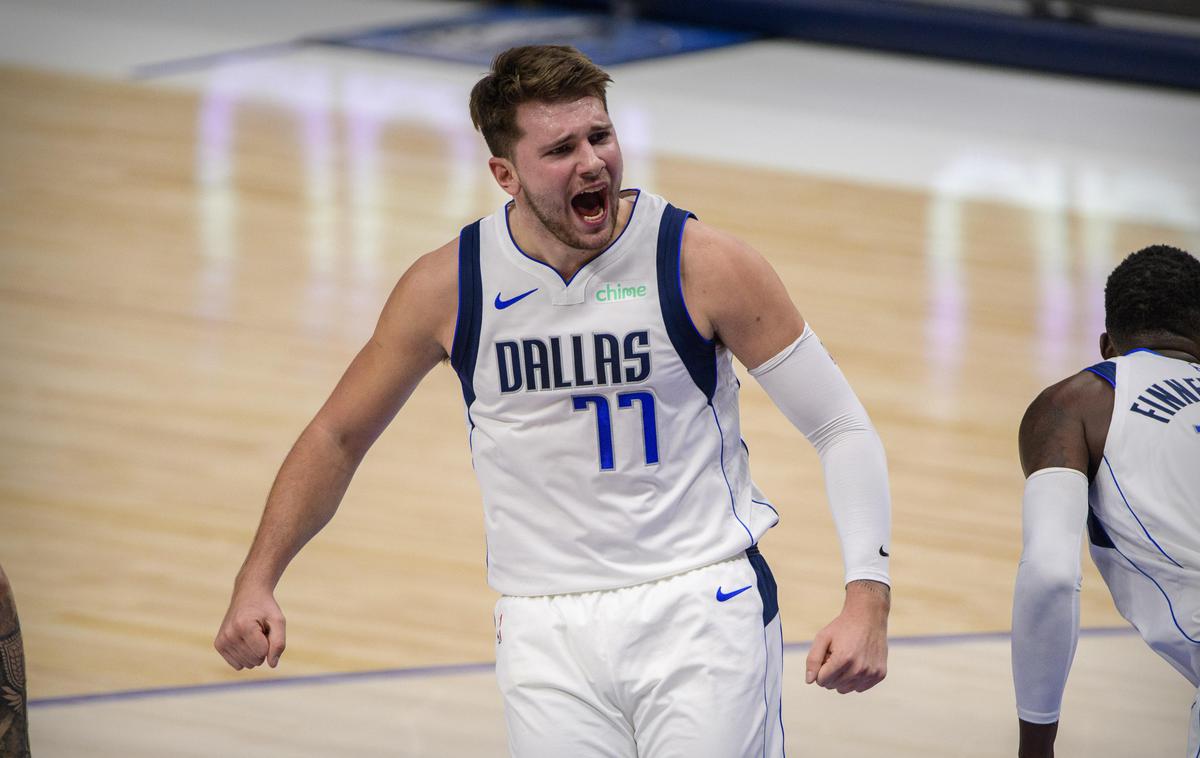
x=690 y=666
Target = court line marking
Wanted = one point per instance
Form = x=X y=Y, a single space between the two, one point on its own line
x=458 y=669
x=194 y=63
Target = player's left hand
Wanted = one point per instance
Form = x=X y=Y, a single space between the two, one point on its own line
x=850 y=654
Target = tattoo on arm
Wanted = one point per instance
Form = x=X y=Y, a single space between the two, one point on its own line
x=874 y=587
x=14 y=718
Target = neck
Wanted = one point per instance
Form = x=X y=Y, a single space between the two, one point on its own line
x=1190 y=357
x=536 y=241
x=1168 y=345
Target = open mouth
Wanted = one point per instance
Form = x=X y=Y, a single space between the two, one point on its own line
x=591 y=207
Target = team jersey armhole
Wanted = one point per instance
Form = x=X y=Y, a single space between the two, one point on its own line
x=678 y=277
x=1097 y=534
x=1106 y=371
x=465 y=348
x=697 y=353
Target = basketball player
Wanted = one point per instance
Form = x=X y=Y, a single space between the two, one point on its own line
x=592 y=329
x=14 y=718
x=1115 y=447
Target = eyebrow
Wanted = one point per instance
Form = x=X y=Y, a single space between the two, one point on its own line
x=566 y=138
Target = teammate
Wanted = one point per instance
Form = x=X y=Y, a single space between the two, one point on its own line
x=14 y=716
x=1115 y=447
x=592 y=329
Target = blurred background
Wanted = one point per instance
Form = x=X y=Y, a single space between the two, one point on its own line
x=203 y=207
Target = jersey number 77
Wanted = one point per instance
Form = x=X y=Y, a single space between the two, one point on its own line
x=604 y=433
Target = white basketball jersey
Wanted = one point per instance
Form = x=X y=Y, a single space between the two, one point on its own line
x=1144 y=524
x=603 y=428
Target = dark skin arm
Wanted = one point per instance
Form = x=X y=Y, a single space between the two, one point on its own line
x=14 y=714
x=1065 y=427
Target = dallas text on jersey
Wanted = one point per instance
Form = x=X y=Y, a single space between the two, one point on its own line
x=540 y=364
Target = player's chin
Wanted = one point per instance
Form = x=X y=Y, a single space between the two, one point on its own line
x=594 y=235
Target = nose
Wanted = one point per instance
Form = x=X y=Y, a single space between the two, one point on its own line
x=590 y=163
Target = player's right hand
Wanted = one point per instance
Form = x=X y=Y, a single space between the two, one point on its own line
x=252 y=631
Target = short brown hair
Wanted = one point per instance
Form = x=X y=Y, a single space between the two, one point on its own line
x=532 y=73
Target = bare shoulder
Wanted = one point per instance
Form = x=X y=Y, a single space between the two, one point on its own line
x=705 y=262
x=734 y=294
x=711 y=255
x=424 y=303
x=435 y=271
x=1065 y=425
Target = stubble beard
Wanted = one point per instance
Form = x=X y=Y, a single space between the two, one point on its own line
x=566 y=234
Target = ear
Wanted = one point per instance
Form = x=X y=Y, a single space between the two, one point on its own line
x=505 y=174
x=1107 y=349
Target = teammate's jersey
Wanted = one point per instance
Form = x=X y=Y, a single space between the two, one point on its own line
x=603 y=427
x=1144 y=524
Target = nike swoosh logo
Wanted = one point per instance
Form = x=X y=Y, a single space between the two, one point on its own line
x=883 y=552
x=723 y=596
x=501 y=304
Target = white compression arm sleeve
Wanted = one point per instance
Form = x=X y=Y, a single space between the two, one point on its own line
x=813 y=393
x=1045 y=625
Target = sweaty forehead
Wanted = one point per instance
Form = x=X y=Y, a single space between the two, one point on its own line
x=542 y=122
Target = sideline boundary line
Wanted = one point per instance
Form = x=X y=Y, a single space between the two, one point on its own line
x=458 y=669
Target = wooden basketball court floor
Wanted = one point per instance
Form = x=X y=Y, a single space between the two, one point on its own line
x=188 y=263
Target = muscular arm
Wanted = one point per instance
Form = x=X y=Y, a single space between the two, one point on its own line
x=1060 y=439
x=732 y=293
x=412 y=336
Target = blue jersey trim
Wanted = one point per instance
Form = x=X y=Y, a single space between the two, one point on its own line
x=760 y=502
x=767 y=589
x=766 y=703
x=728 y=486
x=763 y=502
x=699 y=355
x=679 y=285
x=567 y=282
x=1170 y=607
x=1143 y=350
x=465 y=348
x=1135 y=516
x=782 y=731
x=1097 y=534
x=1106 y=371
